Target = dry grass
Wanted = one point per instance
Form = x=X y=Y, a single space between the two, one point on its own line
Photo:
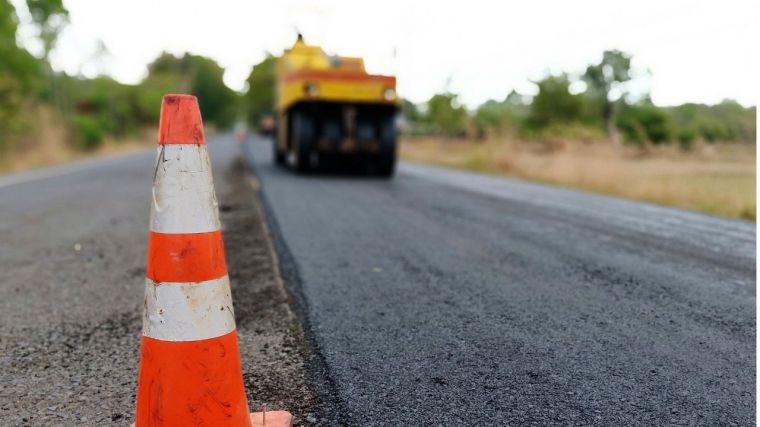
x=715 y=179
x=50 y=144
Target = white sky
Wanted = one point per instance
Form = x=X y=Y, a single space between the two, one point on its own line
x=697 y=51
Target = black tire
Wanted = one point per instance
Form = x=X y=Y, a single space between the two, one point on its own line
x=386 y=159
x=302 y=140
x=386 y=164
x=279 y=157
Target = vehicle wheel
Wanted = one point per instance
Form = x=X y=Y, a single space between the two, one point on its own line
x=386 y=160
x=302 y=132
x=386 y=163
x=279 y=157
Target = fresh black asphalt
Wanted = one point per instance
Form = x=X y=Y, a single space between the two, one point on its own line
x=435 y=298
x=451 y=298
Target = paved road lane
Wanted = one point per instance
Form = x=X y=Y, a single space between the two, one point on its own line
x=449 y=298
x=72 y=268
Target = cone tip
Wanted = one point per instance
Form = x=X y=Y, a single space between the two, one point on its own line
x=180 y=121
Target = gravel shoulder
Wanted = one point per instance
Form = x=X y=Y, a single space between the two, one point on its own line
x=271 y=338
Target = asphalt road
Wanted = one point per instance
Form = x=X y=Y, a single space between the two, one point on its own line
x=436 y=298
x=451 y=298
x=72 y=274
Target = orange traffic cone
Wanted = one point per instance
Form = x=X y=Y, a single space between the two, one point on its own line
x=190 y=372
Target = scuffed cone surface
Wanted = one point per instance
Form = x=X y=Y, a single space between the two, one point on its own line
x=180 y=121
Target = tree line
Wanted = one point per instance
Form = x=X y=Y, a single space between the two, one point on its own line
x=603 y=107
x=93 y=109
x=594 y=103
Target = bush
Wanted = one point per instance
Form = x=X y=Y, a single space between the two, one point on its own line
x=554 y=103
x=445 y=115
x=686 y=138
x=88 y=130
x=644 y=123
x=500 y=117
x=727 y=121
x=258 y=101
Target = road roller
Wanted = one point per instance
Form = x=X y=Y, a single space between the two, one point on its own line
x=330 y=111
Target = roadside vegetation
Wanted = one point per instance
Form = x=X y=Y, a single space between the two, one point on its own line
x=587 y=131
x=49 y=117
x=583 y=129
x=716 y=179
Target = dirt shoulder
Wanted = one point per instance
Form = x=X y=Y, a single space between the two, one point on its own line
x=272 y=342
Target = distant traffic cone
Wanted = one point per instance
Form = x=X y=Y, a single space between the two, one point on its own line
x=190 y=373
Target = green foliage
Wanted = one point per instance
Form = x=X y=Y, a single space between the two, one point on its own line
x=609 y=74
x=88 y=130
x=50 y=16
x=554 y=103
x=258 y=101
x=148 y=96
x=727 y=121
x=19 y=76
x=644 y=123
x=196 y=75
x=685 y=138
x=410 y=111
x=445 y=115
x=114 y=104
x=218 y=103
x=16 y=64
x=601 y=79
x=500 y=117
x=102 y=107
x=490 y=115
x=413 y=121
x=11 y=101
x=556 y=112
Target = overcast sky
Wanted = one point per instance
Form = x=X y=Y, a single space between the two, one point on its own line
x=696 y=51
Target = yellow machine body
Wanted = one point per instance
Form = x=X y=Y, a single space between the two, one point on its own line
x=330 y=110
x=307 y=73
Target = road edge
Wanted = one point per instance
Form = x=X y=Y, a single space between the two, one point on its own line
x=329 y=408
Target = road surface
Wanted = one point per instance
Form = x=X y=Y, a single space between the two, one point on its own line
x=436 y=298
x=451 y=298
x=72 y=274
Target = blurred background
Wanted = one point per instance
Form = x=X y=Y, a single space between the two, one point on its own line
x=648 y=100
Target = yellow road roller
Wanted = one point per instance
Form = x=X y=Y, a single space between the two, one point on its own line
x=329 y=110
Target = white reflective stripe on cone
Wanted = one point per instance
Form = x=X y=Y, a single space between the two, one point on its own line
x=183 y=191
x=188 y=311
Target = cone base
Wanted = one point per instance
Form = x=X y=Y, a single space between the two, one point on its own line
x=273 y=419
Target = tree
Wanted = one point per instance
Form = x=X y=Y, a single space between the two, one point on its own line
x=17 y=64
x=196 y=75
x=258 y=101
x=604 y=81
x=50 y=16
x=554 y=104
x=410 y=111
x=216 y=100
x=411 y=117
x=19 y=75
x=445 y=115
x=644 y=122
x=727 y=121
x=500 y=116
